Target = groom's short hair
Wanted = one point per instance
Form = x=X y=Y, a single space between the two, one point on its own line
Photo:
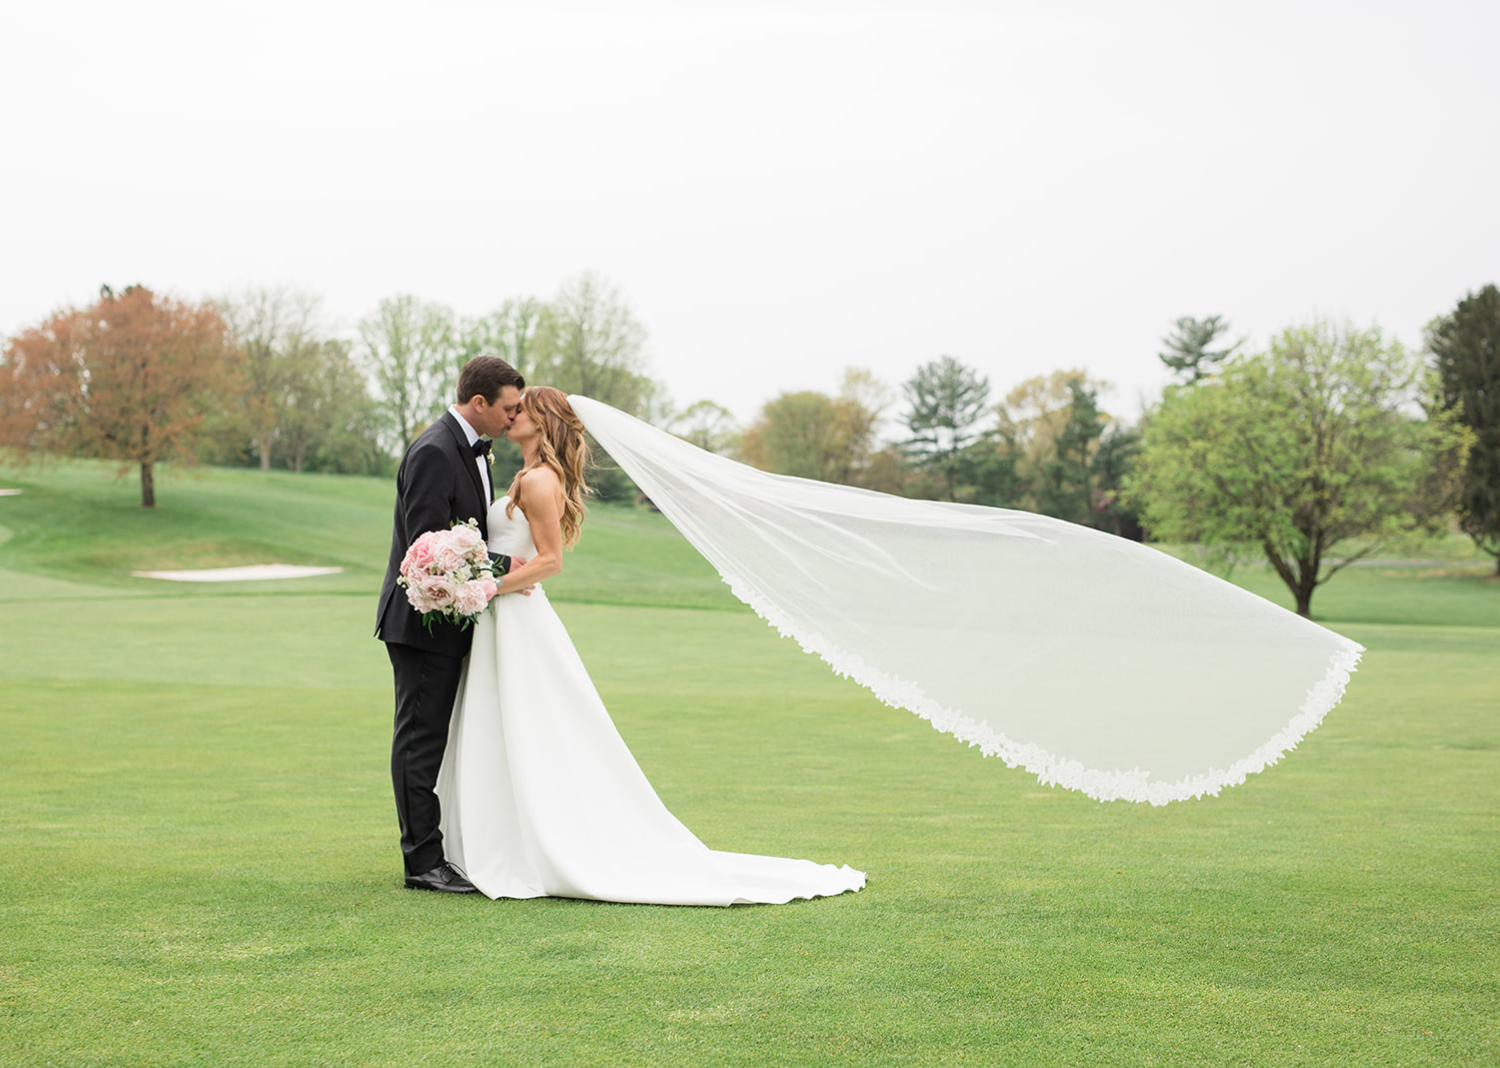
x=486 y=376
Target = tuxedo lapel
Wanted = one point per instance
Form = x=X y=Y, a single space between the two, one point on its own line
x=465 y=453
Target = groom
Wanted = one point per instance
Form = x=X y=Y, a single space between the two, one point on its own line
x=444 y=479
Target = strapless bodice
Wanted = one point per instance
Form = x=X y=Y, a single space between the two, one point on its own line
x=509 y=534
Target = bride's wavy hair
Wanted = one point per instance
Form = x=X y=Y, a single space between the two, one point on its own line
x=564 y=448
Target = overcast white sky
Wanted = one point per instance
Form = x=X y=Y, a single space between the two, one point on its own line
x=781 y=189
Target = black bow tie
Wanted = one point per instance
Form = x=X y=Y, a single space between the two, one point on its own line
x=482 y=447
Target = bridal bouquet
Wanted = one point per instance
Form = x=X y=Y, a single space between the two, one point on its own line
x=447 y=575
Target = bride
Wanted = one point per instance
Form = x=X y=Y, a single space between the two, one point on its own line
x=539 y=795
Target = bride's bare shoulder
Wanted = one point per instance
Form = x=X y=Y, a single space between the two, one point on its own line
x=541 y=477
x=540 y=483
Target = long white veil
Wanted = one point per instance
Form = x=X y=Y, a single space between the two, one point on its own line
x=1096 y=663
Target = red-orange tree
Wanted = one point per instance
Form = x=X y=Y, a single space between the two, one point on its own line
x=129 y=378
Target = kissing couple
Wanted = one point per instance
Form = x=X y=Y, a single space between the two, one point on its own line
x=510 y=777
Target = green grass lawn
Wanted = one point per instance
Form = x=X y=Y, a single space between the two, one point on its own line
x=203 y=865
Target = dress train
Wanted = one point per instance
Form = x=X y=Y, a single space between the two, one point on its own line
x=541 y=797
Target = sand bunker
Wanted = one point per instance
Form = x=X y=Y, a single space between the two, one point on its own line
x=9 y=493
x=240 y=574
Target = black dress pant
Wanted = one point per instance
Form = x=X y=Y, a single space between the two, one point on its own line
x=426 y=685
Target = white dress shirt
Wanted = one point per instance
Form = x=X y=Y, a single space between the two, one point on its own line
x=484 y=466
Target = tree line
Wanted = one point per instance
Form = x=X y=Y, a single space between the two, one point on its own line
x=1046 y=446
x=262 y=379
x=1320 y=449
x=1310 y=453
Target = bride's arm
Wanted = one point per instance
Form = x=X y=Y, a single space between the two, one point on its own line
x=539 y=498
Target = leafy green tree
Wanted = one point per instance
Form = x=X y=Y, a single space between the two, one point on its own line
x=1035 y=420
x=350 y=443
x=277 y=329
x=1306 y=450
x=1114 y=461
x=508 y=332
x=408 y=351
x=988 y=472
x=813 y=435
x=947 y=401
x=1466 y=347
x=887 y=472
x=794 y=435
x=307 y=406
x=707 y=425
x=1055 y=451
x=588 y=340
x=1188 y=351
x=328 y=421
x=857 y=413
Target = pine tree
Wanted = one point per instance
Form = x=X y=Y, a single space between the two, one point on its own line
x=948 y=400
x=1067 y=484
x=1188 y=349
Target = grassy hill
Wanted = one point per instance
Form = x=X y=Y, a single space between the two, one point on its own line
x=76 y=520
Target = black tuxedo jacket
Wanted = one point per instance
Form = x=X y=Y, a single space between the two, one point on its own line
x=438 y=484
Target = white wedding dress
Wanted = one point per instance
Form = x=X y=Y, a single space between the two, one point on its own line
x=540 y=796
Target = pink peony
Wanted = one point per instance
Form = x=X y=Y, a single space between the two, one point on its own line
x=415 y=598
x=438 y=590
x=467 y=539
x=419 y=556
x=447 y=558
x=471 y=598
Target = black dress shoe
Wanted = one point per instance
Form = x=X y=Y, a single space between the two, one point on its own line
x=442 y=878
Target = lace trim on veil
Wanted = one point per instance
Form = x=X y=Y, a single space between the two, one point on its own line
x=1181 y=666
x=1050 y=769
